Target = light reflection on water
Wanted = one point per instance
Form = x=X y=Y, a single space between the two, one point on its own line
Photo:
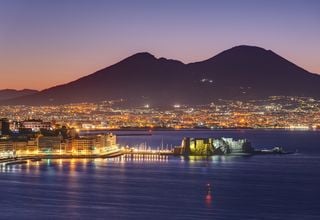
x=259 y=187
x=102 y=186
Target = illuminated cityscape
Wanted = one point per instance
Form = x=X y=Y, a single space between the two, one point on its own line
x=162 y=110
x=54 y=130
x=274 y=112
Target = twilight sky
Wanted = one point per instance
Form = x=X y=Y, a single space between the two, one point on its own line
x=44 y=43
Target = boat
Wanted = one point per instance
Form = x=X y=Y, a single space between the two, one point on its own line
x=275 y=150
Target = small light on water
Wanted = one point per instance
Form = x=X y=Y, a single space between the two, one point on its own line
x=208 y=198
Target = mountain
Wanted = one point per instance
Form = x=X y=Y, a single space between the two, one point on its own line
x=242 y=72
x=247 y=72
x=12 y=93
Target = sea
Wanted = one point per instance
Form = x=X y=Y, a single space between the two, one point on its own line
x=217 y=187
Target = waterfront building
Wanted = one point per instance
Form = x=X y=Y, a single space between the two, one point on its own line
x=84 y=145
x=6 y=148
x=66 y=145
x=32 y=147
x=213 y=146
x=197 y=146
x=20 y=147
x=106 y=143
x=17 y=147
x=236 y=146
x=99 y=144
x=50 y=144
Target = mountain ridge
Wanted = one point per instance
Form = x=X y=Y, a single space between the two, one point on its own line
x=14 y=93
x=241 y=72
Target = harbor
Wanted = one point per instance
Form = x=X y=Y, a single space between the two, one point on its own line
x=134 y=154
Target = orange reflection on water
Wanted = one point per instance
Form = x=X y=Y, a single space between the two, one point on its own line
x=209 y=197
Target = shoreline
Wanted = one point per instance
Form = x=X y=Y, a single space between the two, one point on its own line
x=148 y=131
x=24 y=159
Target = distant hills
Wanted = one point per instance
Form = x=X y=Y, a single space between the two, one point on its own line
x=12 y=93
x=242 y=73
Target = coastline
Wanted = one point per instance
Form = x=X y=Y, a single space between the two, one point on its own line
x=150 y=130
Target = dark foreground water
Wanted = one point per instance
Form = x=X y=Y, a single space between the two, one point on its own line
x=255 y=187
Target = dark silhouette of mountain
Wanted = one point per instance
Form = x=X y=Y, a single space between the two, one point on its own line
x=242 y=72
x=246 y=72
x=12 y=93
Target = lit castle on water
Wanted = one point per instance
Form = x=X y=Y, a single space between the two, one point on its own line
x=213 y=146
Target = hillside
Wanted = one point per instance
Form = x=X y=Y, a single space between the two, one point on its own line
x=242 y=72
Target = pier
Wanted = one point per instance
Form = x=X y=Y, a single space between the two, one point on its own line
x=135 y=151
x=145 y=154
x=126 y=153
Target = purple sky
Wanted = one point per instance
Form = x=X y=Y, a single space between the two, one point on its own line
x=45 y=43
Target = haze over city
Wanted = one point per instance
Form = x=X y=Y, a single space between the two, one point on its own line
x=46 y=43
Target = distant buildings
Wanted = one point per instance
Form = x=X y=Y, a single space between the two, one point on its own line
x=4 y=126
x=36 y=125
x=273 y=112
x=56 y=128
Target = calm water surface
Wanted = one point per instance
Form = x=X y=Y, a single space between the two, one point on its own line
x=252 y=187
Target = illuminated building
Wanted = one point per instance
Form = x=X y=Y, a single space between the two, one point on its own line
x=212 y=146
x=197 y=146
x=94 y=144
x=84 y=145
x=50 y=144
x=19 y=147
x=32 y=147
x=6 y=148
x=106 y=143
x=36 y=125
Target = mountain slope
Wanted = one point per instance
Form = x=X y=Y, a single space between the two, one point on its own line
x=12 y=93
x=253 y=72
x=139 y=78
x=242 y=72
